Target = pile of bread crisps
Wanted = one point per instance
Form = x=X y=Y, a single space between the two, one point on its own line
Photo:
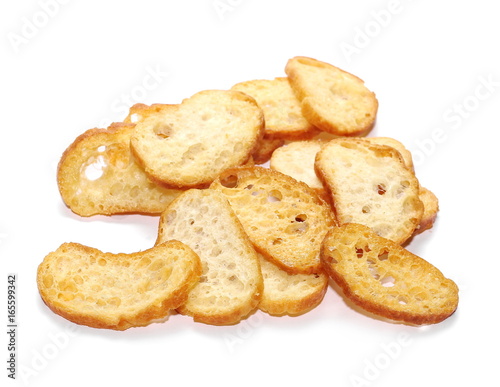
x=264 y=194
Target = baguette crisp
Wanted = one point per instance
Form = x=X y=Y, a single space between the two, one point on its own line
x=188 y=145
x=385 y=279
x=285 y=219
x=231 y=284
x=370 y=184
x=97 y=174
x=117 y=291
x=332 y=99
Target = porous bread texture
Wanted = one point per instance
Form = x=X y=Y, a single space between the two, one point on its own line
x=290 y=294
x=385 y=279
x=97 y=174
x=117 y=291
x=285 y=219
x=188 y=145
x=282 y=110
x=231 y=284
x=332 y=99
x=370 y=184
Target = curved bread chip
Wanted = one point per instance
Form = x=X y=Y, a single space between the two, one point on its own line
x=290 y=294
x=385 y=279
x=117 y=291
x=231 y=284
x=188 y=145
x=370 y=184
x=285 y=219
x=332 y=99
x=97 y=174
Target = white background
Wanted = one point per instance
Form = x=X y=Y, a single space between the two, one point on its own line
x=69 y=66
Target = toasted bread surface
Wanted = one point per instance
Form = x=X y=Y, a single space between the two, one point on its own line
x=188 y=145
x=370 y=184
x=282 y=110
x=117 y=291
x=97 y=174
x=290 y=294
x=383 y=278
x=285 y=219
x=332 y=99
x=231 y=283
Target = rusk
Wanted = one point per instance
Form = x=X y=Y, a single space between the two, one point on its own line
x=117 y=291
x=188 y=145
x=285 y=219
x=385 y=279
x=370 y=184
x=97 y=174
x=231 y=284
x=332 y=99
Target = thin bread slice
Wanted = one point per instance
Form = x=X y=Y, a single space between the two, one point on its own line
x=282 y=110
x=231 y=285
x=332 y=99
x=383 y=278
x=188 y=145
x=370 y=184
x=117 y=291
x=290 y=294
x=285 y=219
x=97 y=174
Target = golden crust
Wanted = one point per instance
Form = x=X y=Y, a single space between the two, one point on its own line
x=333 y=100
x=383 y=278
x=117 y=291
x=285 y=219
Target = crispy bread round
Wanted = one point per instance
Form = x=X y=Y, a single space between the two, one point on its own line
x=383 y=278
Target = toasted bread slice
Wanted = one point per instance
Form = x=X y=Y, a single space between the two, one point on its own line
x=389 y=141
x=290 y=294
x=285 y=219
x=282 y=110
x=97 y=174
x=188 y=145
x=370 y=184
x=231 y=284
x=385 y=279
x=117 y=291
x=332 y=99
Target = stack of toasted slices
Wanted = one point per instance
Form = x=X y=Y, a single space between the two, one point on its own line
x=236 y=234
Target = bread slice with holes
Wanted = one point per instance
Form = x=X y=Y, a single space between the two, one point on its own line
x=231 y=285
x=332 y=99
x=285 y=219
x=385 y=279
x=282 y=109
x=290 y=294
x=370 y=184
x=117 y=291
x=97 y=174
x=188 y=145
